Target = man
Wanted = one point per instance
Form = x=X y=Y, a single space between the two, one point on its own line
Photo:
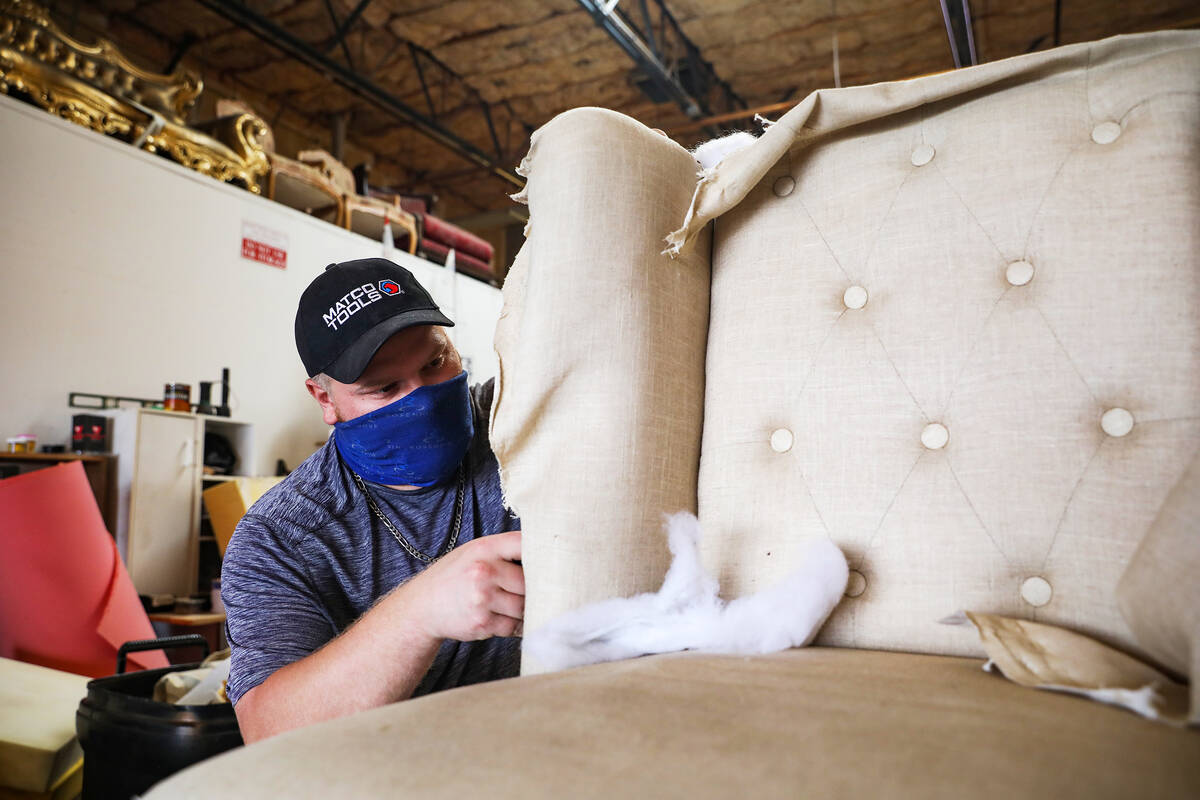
x=385 y=566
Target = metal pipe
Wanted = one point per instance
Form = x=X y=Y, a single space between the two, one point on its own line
x=649 y=27
x=969 y=25
x=957 y=17
x=950 y=34
x=837 y=62
x=337 y=144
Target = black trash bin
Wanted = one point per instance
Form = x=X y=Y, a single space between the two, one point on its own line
x=130 y=741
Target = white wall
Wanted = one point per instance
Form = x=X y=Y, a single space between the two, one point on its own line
x=121 y=271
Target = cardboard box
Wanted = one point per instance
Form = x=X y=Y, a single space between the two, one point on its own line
x=229 y=501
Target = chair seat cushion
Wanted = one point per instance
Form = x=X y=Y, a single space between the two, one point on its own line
x=38 y=746
x=817 y=722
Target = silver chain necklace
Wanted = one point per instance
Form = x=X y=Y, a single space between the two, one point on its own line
x=399 y=537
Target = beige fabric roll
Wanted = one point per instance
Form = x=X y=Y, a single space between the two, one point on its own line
x=601 y=341
x=824 y=723
x=1159 y=594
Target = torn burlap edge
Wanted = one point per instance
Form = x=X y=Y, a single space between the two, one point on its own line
x=1056 y=659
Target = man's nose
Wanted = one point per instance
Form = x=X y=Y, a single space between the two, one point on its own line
x=424 y=380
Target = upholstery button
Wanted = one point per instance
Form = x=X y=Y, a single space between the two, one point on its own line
x=922 y=155
x=784 y=186
x=1106 y=132
x=855 y=297
x=1116 y=422
x=1036 y=591
x=935 y=436
x=856 y=584
x=781 y=440
x=1019 y=273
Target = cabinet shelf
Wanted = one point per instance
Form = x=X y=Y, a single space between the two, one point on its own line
x=161 y=519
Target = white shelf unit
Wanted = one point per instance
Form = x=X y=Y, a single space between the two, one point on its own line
x=160 y=478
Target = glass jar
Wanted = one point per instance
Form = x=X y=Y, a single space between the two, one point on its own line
x=25 y=443
x=177 y=397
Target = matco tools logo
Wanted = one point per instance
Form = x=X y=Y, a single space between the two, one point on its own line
x=357 y=299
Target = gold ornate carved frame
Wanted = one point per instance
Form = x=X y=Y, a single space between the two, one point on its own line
x=96 y=87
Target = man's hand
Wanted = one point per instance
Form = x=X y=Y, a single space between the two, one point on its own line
x=474 y=592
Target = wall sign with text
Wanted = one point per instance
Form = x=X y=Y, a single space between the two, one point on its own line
x=264 y=244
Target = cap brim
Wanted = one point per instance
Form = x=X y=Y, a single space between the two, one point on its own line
x=350 y=365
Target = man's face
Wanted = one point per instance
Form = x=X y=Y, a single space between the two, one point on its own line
x=418 y=356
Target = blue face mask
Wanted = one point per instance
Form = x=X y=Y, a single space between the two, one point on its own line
x=416 y=441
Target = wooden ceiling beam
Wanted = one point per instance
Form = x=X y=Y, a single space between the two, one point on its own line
x=717 y=119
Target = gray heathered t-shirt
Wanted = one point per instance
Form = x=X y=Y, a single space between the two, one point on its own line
x=310 y=557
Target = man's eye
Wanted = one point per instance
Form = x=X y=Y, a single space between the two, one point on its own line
x=437 y=362
x=391 y=387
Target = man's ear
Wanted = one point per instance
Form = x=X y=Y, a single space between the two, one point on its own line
x=323 y=399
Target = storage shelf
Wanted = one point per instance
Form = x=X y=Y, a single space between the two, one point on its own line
x=90 y=458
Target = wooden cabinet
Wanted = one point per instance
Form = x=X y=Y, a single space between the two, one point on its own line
x=160 y=478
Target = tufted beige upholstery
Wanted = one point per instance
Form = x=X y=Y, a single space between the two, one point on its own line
x=954 y=325
x=997 y=426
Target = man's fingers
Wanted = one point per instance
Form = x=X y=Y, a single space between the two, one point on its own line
x=508 y=604
x=510 y=577
x=505 y=545
x=506 y=626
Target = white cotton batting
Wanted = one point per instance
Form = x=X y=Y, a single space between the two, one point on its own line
x=687 y=614
x=712 y=152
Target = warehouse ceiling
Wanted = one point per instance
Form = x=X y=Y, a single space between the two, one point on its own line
x=488 y=72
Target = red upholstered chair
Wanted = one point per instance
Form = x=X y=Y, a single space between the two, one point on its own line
x=468 y=264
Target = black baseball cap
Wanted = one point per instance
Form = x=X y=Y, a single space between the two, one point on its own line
x=351 y=309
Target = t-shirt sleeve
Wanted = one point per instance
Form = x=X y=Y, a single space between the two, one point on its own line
x=273 y=614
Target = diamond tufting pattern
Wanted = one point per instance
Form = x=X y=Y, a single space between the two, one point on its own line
x=1025 y=263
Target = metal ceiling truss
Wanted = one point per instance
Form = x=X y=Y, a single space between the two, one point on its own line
x=445 y=74
x=349 y=78
x=343 y=27
x=339 y=33
x=667 y=57
x=427 y=64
